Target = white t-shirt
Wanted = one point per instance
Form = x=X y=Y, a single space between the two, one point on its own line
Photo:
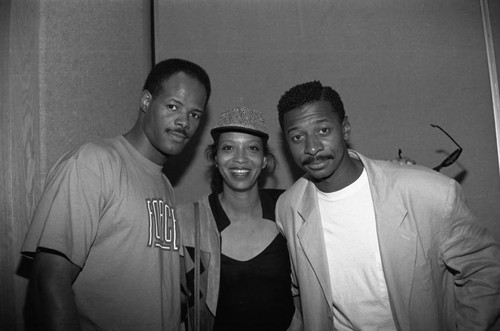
x=359 y=290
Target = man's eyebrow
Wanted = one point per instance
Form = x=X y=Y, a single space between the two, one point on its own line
x=293 y=128
x=317 y=121
x=202 y=110
x=197 y=110
x=175 y=100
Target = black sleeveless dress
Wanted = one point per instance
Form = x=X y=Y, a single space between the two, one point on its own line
x=255 y=294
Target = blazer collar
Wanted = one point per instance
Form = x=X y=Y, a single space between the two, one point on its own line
x=311 y=238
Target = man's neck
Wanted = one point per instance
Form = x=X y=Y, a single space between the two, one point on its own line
x=139 y=141
x=343 y=177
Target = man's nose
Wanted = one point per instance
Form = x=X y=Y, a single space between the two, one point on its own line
x=183 y=120
x=313 y=145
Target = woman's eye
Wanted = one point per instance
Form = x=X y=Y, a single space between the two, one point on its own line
x=254 y=148
x=196 y=116
x=172 y=107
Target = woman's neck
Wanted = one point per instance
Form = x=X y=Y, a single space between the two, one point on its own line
x=241 y=203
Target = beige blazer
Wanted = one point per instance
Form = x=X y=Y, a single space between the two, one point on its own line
x=441 y=266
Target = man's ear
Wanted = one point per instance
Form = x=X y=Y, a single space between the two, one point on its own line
x=264 y=164
x=146 y=98
x=346 y=128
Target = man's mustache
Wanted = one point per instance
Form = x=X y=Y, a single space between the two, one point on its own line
x=315 y=159
x=181 y=131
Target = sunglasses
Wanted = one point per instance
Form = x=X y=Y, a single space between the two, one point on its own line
x=452 y=157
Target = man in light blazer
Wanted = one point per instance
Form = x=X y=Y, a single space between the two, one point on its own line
x=373 y=245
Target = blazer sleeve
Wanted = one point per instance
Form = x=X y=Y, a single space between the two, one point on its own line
x=471 y=254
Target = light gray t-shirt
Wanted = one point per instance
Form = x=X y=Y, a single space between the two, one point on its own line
x=110 y=211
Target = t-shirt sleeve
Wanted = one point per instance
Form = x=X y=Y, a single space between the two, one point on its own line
x=67 y=216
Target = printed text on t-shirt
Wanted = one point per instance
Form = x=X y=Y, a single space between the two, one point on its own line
x=163 y=231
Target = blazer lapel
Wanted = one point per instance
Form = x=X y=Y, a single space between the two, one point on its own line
x=311 y=239
x=397 y=241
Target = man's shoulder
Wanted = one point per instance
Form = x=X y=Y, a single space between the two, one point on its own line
x=412 y=173
x=393 y=171
x=411 y=180
x=91 y=155
x=99 y=148
x=295 y=192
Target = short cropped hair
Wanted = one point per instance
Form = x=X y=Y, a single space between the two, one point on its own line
x=305 y=93
x=216 y=181
x=165 y=69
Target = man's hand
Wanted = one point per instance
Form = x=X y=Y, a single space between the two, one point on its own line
x=403 y=160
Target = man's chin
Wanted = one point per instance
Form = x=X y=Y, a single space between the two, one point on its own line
x=317 y=176
x=175 y=149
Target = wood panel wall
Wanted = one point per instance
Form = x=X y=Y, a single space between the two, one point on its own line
x=20 y=146
x=70 y=71
x=6 y=294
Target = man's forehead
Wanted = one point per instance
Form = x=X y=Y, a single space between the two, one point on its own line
x=184 y=88
x=179 y=79
x=303 y=116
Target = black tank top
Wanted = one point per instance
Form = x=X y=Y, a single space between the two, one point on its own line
x=256 y=294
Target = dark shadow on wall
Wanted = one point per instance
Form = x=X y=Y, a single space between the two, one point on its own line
x=460 y=176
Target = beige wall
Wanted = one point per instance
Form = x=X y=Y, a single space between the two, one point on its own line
x=398 y=65
x=71 y=71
